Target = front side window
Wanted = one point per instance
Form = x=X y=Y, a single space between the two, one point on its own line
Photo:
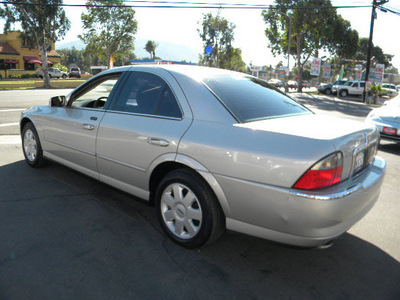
x=148 y=94
x=251 y=99
x=95 y=94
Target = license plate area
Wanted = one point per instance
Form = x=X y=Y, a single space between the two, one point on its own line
x=391 y=131
x=359 y=164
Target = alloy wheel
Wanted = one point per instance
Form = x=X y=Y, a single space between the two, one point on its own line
x=30 y=145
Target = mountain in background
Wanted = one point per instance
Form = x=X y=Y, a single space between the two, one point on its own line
x=165 y=50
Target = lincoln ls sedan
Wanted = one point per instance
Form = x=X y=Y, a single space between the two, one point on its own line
x=212 y=150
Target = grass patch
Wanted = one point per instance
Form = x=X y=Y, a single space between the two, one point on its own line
x=34 y=84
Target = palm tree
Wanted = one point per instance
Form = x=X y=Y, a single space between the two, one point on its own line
x=376 y=91
x=151 y=48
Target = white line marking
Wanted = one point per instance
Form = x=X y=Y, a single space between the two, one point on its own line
x=9 y=124
x=13 y=109
x=10 y=140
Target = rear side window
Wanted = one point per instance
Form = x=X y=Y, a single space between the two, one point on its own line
x=251 y=99
x=148 y=94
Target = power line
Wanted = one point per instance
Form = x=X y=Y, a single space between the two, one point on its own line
x=196 y=5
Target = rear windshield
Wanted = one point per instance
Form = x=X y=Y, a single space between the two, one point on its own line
x=251 y=99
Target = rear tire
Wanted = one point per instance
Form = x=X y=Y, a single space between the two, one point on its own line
x=328 y=91
x=31 y=146
x=188 y=210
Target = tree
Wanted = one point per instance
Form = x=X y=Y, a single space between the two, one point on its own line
x=378 y=54
x=217 y=36
x=151 y=48
x=42 y=25
x=308 y=33
x=108 y=28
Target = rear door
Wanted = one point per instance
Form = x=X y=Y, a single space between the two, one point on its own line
x=144 y=124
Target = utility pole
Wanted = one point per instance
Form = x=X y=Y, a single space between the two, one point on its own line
x=289 y=46
x=375 y=4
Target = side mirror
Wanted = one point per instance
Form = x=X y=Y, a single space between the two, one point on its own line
x=57 y=101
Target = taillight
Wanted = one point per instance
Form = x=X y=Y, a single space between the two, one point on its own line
x=324 y=173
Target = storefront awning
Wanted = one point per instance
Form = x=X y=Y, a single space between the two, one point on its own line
x=34 y=61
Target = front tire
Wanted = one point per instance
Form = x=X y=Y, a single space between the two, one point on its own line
x=31 y=146
x=343 y=93
x=188 y=210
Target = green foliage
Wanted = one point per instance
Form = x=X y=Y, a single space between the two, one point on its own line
x=218 y=33
x=84 y=59
x=61 y=67
x=109 y=29
x=309 y=33
x=42 y=25
x=151 y=48
x=377 y=52
x=376 y=91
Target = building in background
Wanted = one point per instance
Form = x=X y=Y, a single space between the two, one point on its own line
x=15 y=58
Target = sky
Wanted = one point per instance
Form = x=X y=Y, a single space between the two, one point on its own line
x=179 y=26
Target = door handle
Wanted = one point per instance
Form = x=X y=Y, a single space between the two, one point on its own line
x=157 y=141
x=88 y=126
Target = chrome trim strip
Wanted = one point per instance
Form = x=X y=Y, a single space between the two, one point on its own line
x=70 y=147
x=334 y=196
x=121 y=163
x=144 y=115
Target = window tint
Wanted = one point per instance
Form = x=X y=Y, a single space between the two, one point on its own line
x=145 y=93
x=250 y=99
x=95 y=94
x=362 y=84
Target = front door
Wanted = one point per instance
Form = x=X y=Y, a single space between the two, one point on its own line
x=70 y=131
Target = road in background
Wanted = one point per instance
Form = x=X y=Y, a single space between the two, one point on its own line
x=13 y=102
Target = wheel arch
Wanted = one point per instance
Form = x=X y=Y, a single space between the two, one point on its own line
x=184 y=162
x=23 y=122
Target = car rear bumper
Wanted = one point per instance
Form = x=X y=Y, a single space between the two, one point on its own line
x=302 y=218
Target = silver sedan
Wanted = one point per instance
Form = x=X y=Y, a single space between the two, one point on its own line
x=387 y=120
x=212 y=150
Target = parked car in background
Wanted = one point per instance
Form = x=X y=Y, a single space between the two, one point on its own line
x=349 y=88
x=389 y=89
x=276 y=82
x=212 y=149
x=53 y=73
x=398 y=88
x=387 y=119
x=326 y=88
x=292 y=84
x=74 y=72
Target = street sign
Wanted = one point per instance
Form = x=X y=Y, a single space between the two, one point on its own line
x=327 y=71
x=358 y=72
x=256 y=68
x=315 y=66
x=379 y=69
